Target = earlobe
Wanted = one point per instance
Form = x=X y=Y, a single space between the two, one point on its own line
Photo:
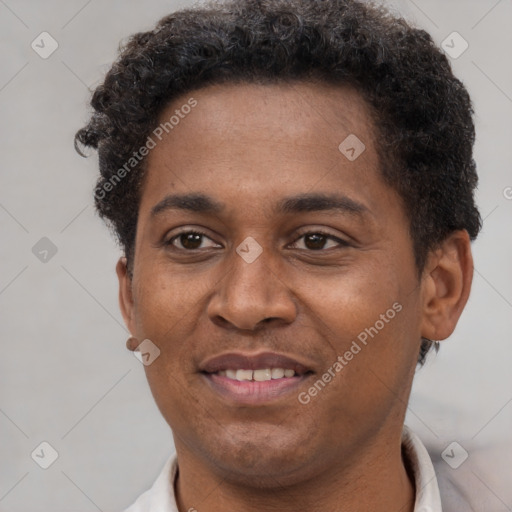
x=125 y=294
x=446 y=285
x=132 y=343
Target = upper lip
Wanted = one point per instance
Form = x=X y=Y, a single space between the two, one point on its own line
x=241 y=361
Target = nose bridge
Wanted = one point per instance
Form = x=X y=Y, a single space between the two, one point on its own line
x=250 y=273
x=251 y=291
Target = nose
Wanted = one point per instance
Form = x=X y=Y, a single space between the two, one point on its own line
x=251 y=295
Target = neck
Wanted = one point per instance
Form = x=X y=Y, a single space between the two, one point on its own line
x=375 y=478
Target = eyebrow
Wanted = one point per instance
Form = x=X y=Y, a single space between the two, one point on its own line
x=199 y=203
x=308 y=202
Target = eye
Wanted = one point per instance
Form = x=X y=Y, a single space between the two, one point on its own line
x=189 y=240
x=316 y=240
x=313 y=241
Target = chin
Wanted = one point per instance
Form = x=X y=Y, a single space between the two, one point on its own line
x=266 y=460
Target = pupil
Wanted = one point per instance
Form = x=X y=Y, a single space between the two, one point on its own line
x=317 y=239
x=187 y=240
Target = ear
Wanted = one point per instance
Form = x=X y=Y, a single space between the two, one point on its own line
x=446 y=285
x=125 y=295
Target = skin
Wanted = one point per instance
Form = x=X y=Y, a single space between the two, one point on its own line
x=249 y=146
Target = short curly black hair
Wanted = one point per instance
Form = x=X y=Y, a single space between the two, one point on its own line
x=423 y=114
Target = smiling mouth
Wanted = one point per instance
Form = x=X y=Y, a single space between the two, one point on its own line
x=259 y=375
x=255 y=379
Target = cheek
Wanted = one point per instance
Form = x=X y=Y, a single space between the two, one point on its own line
x=368 y=316
x=167 y=309
x=166 y=299
x=349 y=300
x=168 y=306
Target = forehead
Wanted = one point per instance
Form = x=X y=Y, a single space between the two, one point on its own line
x=320 y=103
x=252 y=142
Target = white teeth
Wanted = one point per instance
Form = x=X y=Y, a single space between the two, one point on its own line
x=244 y=375
x=277 y=373
x=259 y=375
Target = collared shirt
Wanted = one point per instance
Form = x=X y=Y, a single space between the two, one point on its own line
x=160 y=498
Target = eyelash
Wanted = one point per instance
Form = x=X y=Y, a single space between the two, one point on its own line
x=342 y=243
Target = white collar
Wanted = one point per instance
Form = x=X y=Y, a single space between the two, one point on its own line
x=428 y=498
x=160 y=498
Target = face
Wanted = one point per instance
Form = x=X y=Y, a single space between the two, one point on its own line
x=262 y=245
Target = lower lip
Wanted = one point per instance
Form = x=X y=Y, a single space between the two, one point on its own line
x=248 y=392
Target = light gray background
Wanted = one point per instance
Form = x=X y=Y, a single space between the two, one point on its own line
x=65 y=375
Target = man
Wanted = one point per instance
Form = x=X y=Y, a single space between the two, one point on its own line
x=292 y=184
